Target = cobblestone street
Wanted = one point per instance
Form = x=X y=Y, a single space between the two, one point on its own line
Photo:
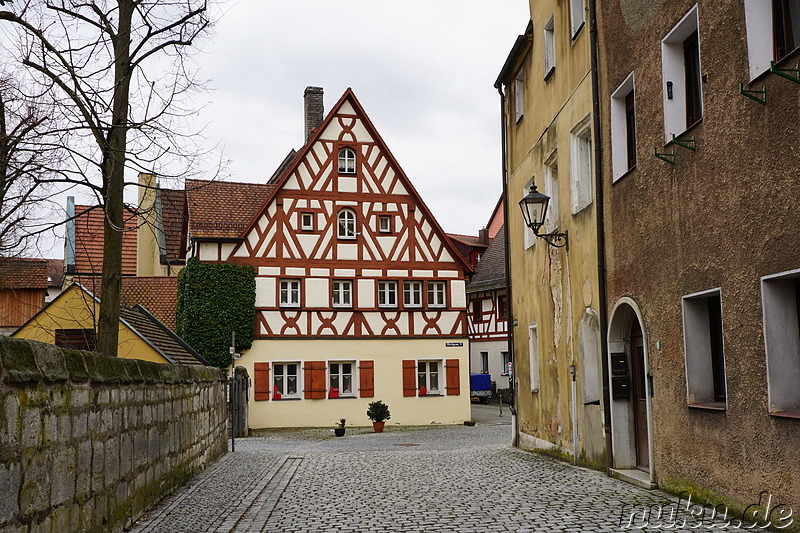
x=459 y=479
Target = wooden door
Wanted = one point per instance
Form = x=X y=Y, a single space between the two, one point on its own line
x=639 y=399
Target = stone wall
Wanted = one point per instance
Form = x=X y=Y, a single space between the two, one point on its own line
x=88 y=442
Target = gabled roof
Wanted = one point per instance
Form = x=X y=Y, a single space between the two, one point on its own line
x=222 y=209
x=349 y=96
x=159 y=294
x=159 y=337
x=23 y=273
x=89 y=240
x=490 y=273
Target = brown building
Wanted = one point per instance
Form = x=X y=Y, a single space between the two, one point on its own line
x=700 y=187
x=23 y=288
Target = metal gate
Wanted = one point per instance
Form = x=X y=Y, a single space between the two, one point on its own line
x=239 y=394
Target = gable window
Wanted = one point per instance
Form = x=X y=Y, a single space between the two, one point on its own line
x=347 y=161
x=307 y=221
x=342 y=293
x=340 y=379
x=683 y=98
x=703 y=346
x=387 y=294
x=623 y=128
x=519 y=95
x=412 y=293
x=477 y=311
x=576 y=15
x=76 y=339
x=346 y=228
x=780 y=295
x=786 y=24
x=549 y=47
x=384 y=224
x=501 y=306
x=428 y=378
x=285 y=380
x=484 y=362
x=436 y=294
x=581 y=167
x=290 y=293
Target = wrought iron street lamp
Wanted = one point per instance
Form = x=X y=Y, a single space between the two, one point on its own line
x=534 y=209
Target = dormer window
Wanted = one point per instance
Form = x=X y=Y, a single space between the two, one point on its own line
x=347 y=161
x=346 y=224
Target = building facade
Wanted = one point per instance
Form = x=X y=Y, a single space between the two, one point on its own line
x=359 y=293
x=547 y=91
x=701 y=186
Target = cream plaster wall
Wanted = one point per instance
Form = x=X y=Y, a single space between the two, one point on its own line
x=387 y=355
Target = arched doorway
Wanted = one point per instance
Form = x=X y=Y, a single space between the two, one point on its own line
x=631 y=421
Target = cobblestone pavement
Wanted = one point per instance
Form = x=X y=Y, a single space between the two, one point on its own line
x=459 y=479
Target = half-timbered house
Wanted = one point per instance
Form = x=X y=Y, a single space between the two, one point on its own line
x=360 y=296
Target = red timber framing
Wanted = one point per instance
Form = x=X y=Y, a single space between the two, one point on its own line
x=491 y=326
x=281 y=246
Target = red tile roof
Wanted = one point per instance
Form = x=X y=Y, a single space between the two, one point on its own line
x=89 y=241
x=23 y=273
x=223 y=209
x=158 y=294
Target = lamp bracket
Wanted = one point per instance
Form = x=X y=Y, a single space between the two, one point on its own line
x=751 y=94
x=558 y=240
x=785 y=72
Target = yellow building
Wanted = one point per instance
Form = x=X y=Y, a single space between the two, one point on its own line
x=70 y=321
x=549 y=138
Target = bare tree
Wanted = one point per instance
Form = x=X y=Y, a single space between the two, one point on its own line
x=112 y=112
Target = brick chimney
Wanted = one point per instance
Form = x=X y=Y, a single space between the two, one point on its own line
x=483 y=236
x=313 y=109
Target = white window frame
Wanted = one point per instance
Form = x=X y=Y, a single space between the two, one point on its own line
x=505 y=358
x=347 y=161
x=307 y=221
x=437 y=294
x=484 y=362
x=384 y=224
x=697 y=347
x=519 y=95
x=759 y=21
x=285 y=379
x=427 y=373
x=551 y=190
x=340 y=373
x=580 y=175
x=387 y=294
x=533 y=356
x=577 y=16
x=412 y=294
x=346 y=224
x=672 y=70
x=342 y=293
x=619 y=127
x=528 y=236
x=549 y=47
x=290 y=293
x=781 y=341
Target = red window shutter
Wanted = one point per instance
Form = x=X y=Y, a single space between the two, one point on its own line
x=409 y=377
x=261 y=382
x=314 y=372
x=453 y=377
x=366 y=379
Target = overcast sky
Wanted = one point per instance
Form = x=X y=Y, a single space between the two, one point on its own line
x=422 y=69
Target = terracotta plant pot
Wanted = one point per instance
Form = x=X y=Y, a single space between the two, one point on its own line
x=339 y=432
x=378 y=426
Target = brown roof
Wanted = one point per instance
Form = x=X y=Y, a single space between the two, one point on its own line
x=169 y=345
x=158 y=294
x=223 y=209
x=491 y=271
x=55 y=272
x=89 y=241
x=23 y=273
x=469 y=240
x=173 y=221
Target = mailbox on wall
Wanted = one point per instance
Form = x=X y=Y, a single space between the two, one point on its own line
x=620 y=377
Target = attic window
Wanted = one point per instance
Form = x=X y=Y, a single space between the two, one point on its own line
x=76 y=339
x=347 y=161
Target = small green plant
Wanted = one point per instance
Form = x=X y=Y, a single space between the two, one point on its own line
x=341 y=423
x=378 y=411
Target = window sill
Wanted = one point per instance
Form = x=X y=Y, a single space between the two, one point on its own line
x=624 y=175
x=343 y=307
x=684 y=132
x=284 y=306
x=343 y=173
x=708 y=406
x=293 y=398
x=430 y=395
x=577 y=33
x=342 y=238
x=346 y=397
x=788 y=413
x=549 y=74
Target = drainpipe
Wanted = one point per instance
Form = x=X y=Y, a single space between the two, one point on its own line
x=511 y=321
x=601 y=247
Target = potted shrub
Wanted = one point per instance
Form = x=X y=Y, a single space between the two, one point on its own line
x=339 y=429
x=378 y=412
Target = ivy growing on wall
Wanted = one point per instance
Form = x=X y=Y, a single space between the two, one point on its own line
x=213 y=300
